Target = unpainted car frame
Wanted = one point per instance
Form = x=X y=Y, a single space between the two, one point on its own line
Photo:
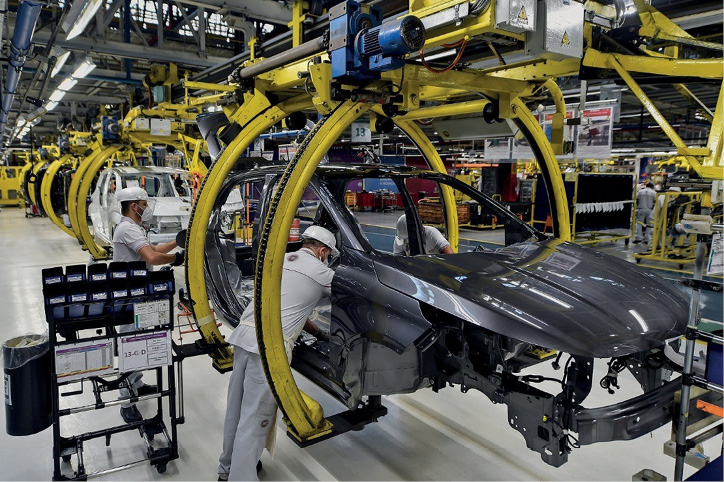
x=171 y=212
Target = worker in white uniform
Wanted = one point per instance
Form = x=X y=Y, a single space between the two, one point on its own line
x=251 y=408
x=130 y=243
x=434 y=242
x=644 y=211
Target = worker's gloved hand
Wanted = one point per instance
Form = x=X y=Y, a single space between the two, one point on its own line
x=322 y=335
x=178 y=258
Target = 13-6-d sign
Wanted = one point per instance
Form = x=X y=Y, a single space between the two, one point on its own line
x=361 y=132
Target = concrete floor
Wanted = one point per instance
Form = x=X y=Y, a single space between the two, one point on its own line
x=425 y=436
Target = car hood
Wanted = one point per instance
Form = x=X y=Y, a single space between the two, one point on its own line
x=550 y=293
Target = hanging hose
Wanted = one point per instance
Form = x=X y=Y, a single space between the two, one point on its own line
x=460 y=43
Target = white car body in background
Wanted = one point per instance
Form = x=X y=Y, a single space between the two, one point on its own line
x=169 y=188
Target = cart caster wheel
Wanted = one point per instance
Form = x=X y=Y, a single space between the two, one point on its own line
x=638 y=260
x=161 y=468
x=627 y=242
x=681 y=266
x=66 y=458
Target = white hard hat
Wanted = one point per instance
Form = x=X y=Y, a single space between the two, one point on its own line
x=132 y=194
x=402 y=227
x=322 y=235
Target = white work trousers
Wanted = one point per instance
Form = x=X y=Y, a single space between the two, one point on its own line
x=644 y=216
x=250 y=414
x=135 y=378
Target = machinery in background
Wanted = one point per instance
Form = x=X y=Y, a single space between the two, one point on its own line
x=12 y=173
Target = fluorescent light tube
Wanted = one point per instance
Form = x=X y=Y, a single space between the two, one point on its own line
x=83 y=69
x=59 y=63
x=67 y=84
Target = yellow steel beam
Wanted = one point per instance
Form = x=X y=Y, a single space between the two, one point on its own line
x=700 y=106
x=701 y=68
x=656 y=25
x=549 y=168
x=558 y=118
x=259 y=122
x=31 y=192
x=83 y=231
x=45 y=192
x=714 y=162
x=536 y=70
x=458 y=108
x=303 y=416
x=466 y=80
x=190 y=84
x=73 y=200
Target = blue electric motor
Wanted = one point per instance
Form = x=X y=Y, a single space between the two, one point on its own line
x=361 y=46
x=110 y=128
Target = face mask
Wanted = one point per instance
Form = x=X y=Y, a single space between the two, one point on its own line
x=146 y=214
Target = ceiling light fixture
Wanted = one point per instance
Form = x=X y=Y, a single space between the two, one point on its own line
x=79 y=16
x=85 y=68
x=57 y=96
x=67 y=84
x=59 y=62
x=50 y=106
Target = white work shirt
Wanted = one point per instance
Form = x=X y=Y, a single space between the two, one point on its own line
x=645 y=199
x=128 y=239
x=305 y=280
x=434 y=243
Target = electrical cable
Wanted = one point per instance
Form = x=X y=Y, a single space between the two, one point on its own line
x=615 y=366
x=460 y=43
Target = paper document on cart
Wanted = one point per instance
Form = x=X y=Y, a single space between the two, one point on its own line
x=84 y=359
x=149 y=350
x=151 y=313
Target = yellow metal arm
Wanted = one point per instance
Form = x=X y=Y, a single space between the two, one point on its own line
x=304 y=421
x=198 y=224
x=45 y=191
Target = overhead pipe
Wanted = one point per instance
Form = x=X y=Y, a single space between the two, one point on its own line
x=28 y=12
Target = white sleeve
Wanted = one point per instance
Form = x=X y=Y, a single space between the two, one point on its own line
x=134 y=237
x=434 y=240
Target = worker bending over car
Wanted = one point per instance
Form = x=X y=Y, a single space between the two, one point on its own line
x=249 y=424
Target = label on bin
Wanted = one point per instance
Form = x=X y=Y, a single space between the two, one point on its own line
x=150 y=350
x=99 y=296
x=138 y=291
x=80 y=297
x=160 y=287
x=98 y=277
x=151 y=313
x=120 y=293
x=53 y=280
x=74 y=278
x=55 y=300
x=119 y=274
x=8 y=395
x=139 y=272
x=84 y=359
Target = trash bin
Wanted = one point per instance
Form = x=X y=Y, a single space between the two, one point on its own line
x=28 y=403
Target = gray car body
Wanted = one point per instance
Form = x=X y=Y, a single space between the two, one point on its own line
x=399 y=324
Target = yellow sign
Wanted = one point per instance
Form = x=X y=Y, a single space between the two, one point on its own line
x=522 y=15
x=566 y=40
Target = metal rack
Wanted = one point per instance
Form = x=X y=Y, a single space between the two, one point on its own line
x=689 y=378
x=94 y=323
